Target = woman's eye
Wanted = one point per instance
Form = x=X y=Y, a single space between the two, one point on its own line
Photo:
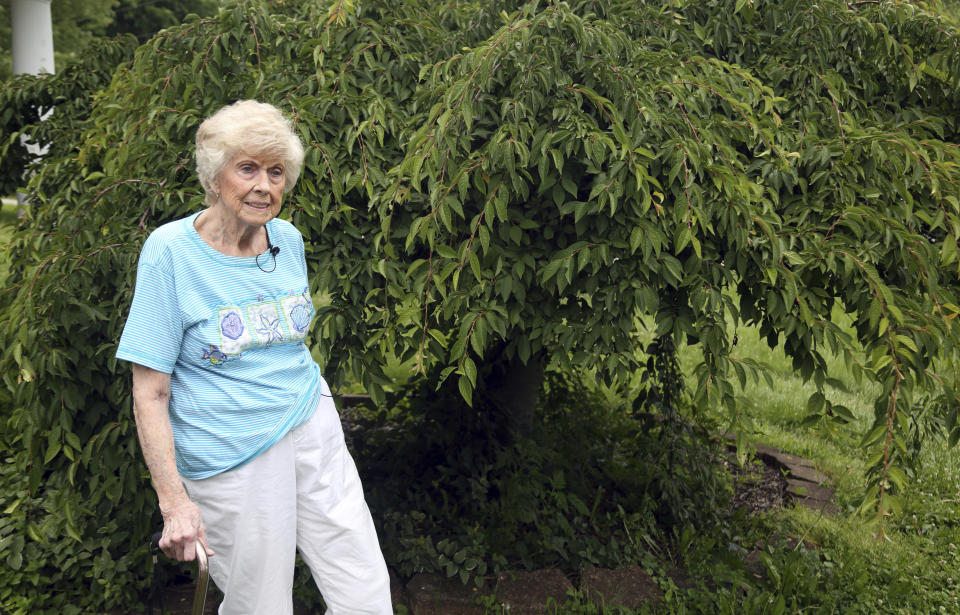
x=276 y=172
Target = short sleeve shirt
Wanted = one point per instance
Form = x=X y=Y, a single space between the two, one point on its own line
x=231 y=334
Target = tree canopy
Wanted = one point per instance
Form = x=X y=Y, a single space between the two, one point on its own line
x=495 y=187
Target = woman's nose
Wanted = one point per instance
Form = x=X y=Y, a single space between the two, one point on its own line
x=262 y=181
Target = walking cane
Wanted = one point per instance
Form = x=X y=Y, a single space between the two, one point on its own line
x=203 y=577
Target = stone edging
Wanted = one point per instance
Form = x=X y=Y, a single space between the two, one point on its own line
x=806 y=485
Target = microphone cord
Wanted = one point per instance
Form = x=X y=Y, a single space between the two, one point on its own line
x=272 y=250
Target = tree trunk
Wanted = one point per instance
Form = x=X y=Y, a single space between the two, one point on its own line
x=512 y=390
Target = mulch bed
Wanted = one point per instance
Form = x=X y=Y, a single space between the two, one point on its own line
x=758 y=487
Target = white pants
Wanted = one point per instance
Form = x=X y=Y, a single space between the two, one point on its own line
x=304 y=494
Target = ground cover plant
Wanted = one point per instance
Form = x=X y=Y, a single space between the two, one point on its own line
x=494 y=192
x=801 y=560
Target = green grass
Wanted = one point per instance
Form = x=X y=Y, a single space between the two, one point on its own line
x=912 y=566
x=777 y=413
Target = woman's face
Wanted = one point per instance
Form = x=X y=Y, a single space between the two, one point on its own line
x=251 y=188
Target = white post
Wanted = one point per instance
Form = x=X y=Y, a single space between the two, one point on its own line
x=32 y=46
x=32 y=29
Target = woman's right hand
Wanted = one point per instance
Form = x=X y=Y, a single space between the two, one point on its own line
x=182 y=528
x=182 y=524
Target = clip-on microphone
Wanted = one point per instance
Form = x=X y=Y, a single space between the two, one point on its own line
x=272 y=249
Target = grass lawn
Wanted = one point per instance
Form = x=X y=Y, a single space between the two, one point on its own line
x=834 y=564
x=915 y=566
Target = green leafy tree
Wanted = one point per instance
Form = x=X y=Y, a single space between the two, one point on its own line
x=492 y=190
x=78 y=32
x=69 y=94
x=76 y=25
x=144 y=19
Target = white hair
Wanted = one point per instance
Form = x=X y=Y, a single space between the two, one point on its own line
x=251 y=127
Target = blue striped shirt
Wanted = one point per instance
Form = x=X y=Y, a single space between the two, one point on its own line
x=231 y=336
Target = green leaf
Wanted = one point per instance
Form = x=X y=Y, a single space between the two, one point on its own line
x=53 y=449
x=466 y=389
x=681 y=239
x=897 y=477
x=636 y=238
x=15 y=559
x=470 y=369
x=892 y=504
x=793 y=258
x=816 y=402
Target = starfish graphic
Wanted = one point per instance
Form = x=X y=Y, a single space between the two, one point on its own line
x=270 y=328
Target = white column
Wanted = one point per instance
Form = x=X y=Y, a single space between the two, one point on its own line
x=32 y=47
x=32 y=29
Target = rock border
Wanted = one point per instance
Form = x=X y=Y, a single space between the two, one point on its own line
x=806 y=485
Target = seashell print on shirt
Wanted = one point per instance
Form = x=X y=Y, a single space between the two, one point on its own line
x=263 y=322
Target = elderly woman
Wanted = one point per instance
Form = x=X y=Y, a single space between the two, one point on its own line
x=237 y=426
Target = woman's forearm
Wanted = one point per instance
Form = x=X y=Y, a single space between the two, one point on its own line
x=151 y=397
x=182 y=522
